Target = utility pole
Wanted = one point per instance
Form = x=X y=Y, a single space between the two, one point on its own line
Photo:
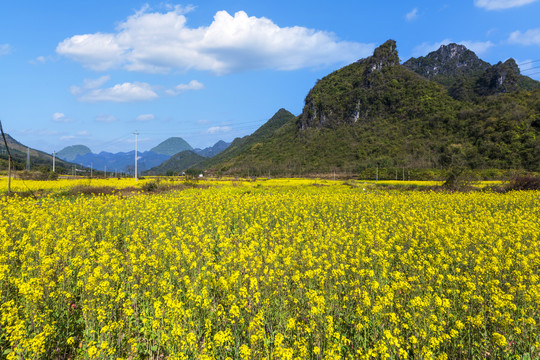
x=27 y=159
x=9 y=159
x=53 y=161
x=105 y=171
x=377 y=176
x=136 y=135
x=91 y=168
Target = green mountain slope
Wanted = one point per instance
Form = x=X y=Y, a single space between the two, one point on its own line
x=177 y=163
x=70 y=153
x=39 y=160
x=171 y=146
x=234 y=154
x=378 y=112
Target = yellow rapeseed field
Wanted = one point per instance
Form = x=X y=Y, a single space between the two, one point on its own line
x=294 y=271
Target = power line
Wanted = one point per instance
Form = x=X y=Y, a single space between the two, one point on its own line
x=529 y=62
x=525 y=70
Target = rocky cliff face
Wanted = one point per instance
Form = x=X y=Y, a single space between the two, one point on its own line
x=448 y=61
x=467 y=77
x=499 y=78
x=337 y=98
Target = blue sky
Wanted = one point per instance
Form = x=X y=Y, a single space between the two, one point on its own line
x=93 y=72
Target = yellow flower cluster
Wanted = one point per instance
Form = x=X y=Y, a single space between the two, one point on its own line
x=283 y=272
x=18 y=185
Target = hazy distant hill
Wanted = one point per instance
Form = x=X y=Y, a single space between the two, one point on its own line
x=125 y=161
x=171 y=146
x=378 y=112
x=69 y=153
x=122 y=161
x=213 y=150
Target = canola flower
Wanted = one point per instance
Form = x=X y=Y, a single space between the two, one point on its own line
x=282 y=272
x=18 y=185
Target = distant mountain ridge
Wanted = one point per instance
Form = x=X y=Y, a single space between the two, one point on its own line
x=71 y=152
x=122 y=161
x=212 y=150
x=171 y=146
x=125 y=161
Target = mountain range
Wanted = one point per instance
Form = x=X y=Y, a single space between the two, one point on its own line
x=443 y=110
x=124 y=161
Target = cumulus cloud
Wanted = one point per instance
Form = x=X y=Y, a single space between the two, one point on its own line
x=145 y=117
x=218 y=129
x=529 y=37
x=5 y=49
x=412 y=15
x=160 y=42
x=60 y=118
x=501 y=4
x=180 y=88
x=126 y=92
x=104 y=118
x=479 y=47
x=89 y=84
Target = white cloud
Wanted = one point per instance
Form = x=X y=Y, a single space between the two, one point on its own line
x=126 y=92
x=180 y=88
x=218 y=129
x=501 y=4
x=412 y=15
x=42 y=60
x=160 y=42
x=83 y=133
x=89 y=84
x=5 y=49
x=529 y=37
x=104 y=118
x=96 y=51
x=145 y=117
x=60 y=117
x=479 y=47
x=67 y=137
x=203 y=122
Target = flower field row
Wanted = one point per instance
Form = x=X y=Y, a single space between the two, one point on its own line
x=279 y=272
